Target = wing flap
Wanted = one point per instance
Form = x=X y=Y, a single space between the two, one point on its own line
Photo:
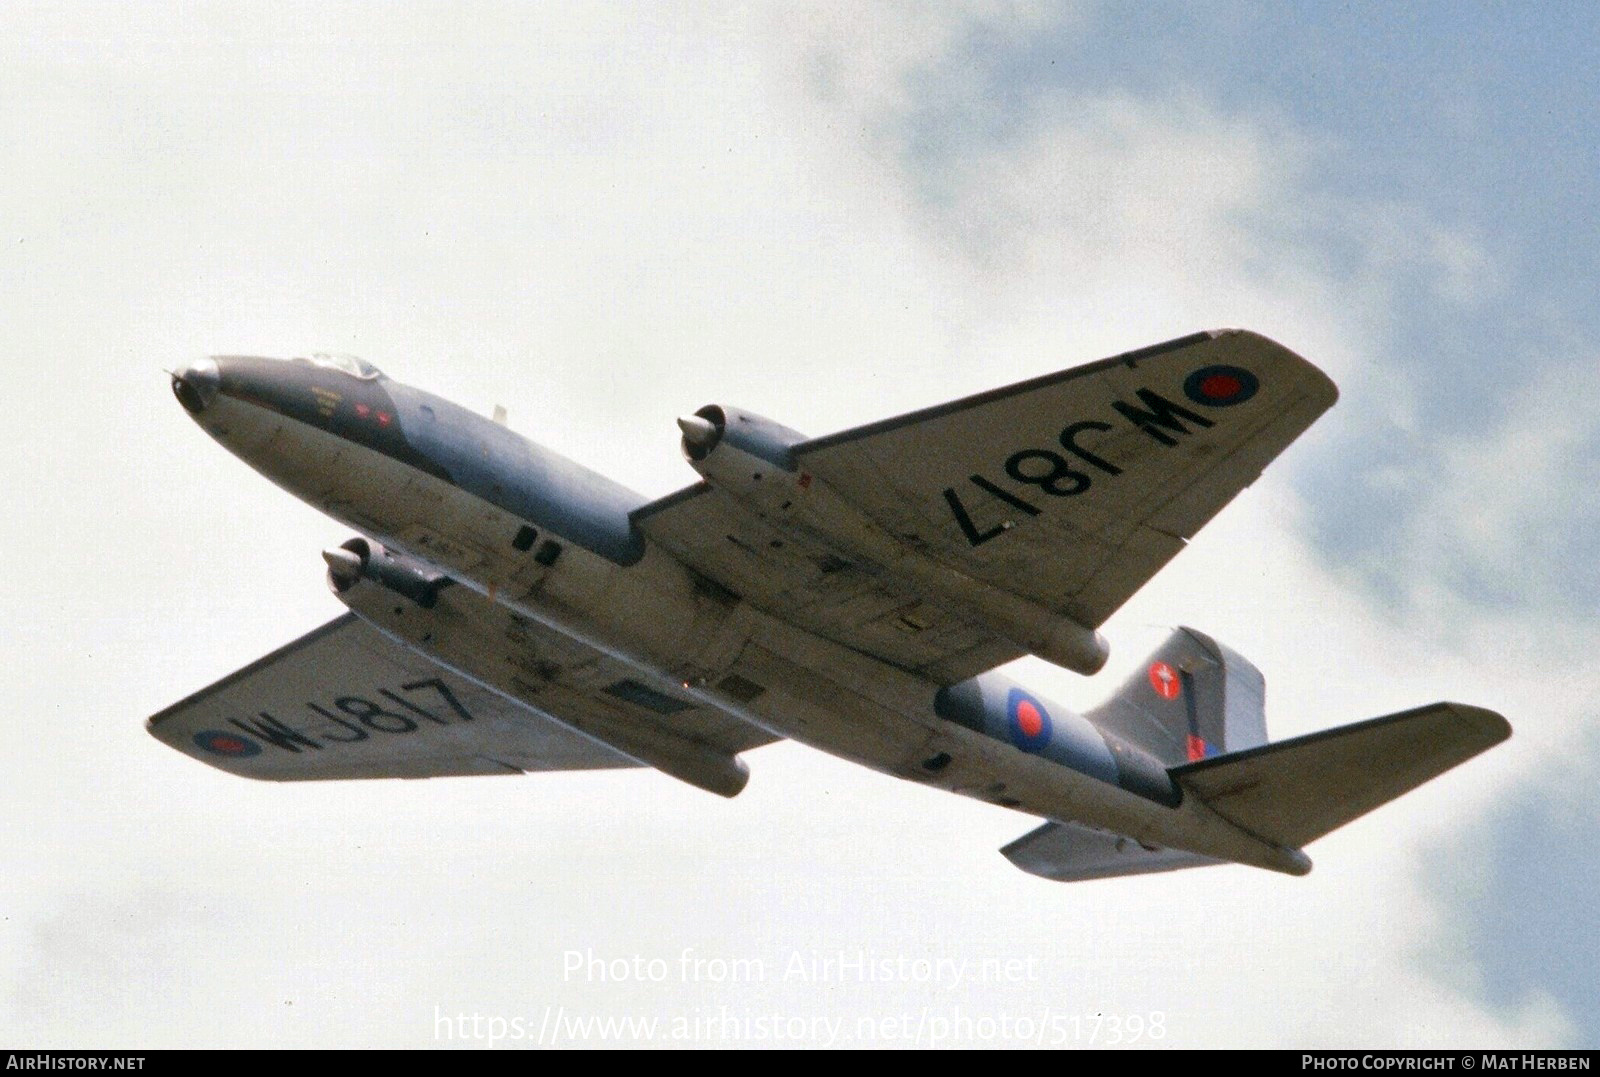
x=1295 y=791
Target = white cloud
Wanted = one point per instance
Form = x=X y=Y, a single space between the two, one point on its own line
x=1518 y=504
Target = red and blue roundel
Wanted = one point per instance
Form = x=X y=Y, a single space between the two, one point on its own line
x=1028 y=721
x=1221 y=386
x=230 y=744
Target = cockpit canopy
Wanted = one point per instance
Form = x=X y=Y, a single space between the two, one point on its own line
x=345 y=364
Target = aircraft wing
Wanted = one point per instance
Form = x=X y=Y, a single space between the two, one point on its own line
x=346 y=701
x=1071 y=490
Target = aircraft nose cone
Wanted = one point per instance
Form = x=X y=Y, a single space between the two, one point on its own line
x=196 y=385
x=700 y=436
x=344 y=568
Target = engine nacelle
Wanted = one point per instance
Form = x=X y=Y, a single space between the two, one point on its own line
x=740 y=452
x=360 y=559
x=474 y=636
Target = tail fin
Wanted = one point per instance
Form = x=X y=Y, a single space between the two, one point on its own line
x=1297 y=790
x=1191 y=700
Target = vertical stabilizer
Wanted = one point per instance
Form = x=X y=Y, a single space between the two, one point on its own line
x=1191 y=700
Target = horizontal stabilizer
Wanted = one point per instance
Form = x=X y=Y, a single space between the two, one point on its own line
x=1069 y=853
x=1295 y=791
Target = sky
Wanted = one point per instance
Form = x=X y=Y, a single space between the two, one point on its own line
x=604 y=216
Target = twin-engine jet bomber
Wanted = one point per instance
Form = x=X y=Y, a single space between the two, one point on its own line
x=511 y=611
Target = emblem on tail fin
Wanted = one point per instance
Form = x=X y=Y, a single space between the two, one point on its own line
x=1164 y=679
x=1192 y=699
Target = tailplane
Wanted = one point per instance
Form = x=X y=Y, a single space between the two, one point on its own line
x=1295 y=791
x=1286 y=794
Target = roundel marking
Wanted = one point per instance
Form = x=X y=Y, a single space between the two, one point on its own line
x=1221 y=386
x=1028 y=722
x=217 y=742
x=1164 y=679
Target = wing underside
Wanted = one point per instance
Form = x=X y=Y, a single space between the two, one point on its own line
x=347 y=701
x=344 y=701
x=1072 y=490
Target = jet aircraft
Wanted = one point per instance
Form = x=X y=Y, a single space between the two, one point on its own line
x=511 y=611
